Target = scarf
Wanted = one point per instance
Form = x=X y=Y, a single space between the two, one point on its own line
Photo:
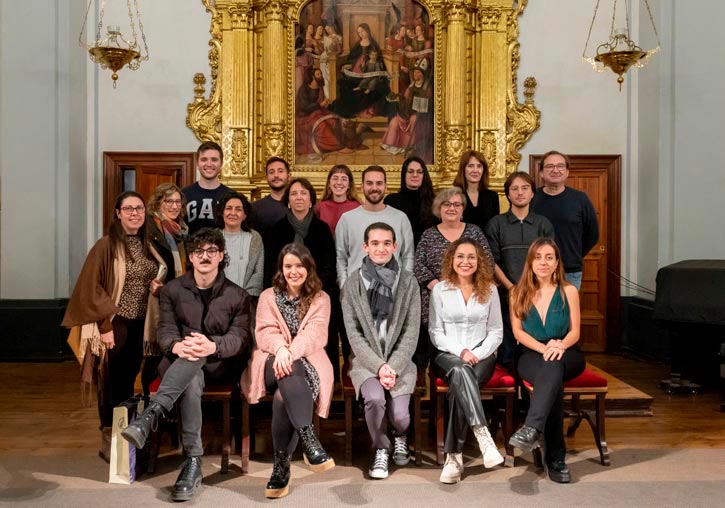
x=380 y=292
x=175 y=233
x=301 y=227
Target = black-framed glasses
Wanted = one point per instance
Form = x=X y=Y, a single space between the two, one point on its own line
x=129 y=210
x=211 y=252
x=456 y=205
x=560 y=167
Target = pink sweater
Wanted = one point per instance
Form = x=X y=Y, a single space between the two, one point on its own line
x=330 y=211
x=310 y=341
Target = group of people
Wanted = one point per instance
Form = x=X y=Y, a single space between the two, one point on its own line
x=199 y=280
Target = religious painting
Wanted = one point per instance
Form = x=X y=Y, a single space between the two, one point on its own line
x=364 y=76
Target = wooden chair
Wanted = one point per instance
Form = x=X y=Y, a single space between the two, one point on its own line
x=248 y=430
x=588 y=383
x=502 y=385
x=349 y=395
x=222 y=392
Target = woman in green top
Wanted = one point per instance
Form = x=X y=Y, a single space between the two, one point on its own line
x=545 y=320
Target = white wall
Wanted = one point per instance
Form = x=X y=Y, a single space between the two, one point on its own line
x=59 y=113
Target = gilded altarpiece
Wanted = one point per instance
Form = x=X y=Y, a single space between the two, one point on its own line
x=473 y=55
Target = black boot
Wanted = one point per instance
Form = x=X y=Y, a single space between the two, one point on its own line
x=138 y=431
x=278 y=484
x=558 y=471
x=188 y=481
x=525 y=439
x=313 y=453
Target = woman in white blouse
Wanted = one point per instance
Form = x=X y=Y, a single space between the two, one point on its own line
x=466 y=329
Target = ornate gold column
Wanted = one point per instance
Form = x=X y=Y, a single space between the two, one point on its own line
x=455 y=136
x=274 y=58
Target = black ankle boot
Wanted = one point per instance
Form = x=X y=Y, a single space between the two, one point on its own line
x=313 y=453
x=278 y=484
x=138 y=431
x=188 y=481
x=525 y=439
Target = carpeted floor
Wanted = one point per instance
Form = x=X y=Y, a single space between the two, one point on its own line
x=637 y=478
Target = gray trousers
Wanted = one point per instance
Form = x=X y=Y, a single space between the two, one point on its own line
x=182 y=383
x=381 y=408
x=464 y=397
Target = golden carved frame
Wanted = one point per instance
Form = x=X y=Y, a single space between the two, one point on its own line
x=250 y=107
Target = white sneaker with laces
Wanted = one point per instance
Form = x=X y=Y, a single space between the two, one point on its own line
x=491 y=456
x=379 y=467
x=453 y=468
x=401 y=454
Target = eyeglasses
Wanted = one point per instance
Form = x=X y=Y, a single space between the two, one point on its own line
x=415 y=172
x=129 y=210
x=550 y=167
x=457 y=205
x=211 y=252
x=172 y=202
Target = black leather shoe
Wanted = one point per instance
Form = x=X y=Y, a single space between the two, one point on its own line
x=559 y=471
x=525 y=439
x=188 y=481
x=315 y=456
x=138 y=431
x=278 y=484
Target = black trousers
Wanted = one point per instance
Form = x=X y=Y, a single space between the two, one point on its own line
x=546 y=411
x=507 y=349
x=464 y=396
x=123 y=363
x=292 y=405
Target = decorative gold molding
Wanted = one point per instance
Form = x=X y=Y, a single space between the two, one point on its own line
x=250 y=106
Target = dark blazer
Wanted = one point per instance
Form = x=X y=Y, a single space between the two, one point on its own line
x=488 y=208
x=320 y=242
x=227 y=320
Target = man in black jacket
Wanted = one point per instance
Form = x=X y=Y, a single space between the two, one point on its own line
x=204 y=327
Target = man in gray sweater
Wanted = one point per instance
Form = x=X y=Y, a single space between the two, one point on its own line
x=381 y=306
x=350 y=231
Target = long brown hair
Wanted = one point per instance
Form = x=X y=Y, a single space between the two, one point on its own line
x=351 y=192
x=460 y=179
x=116 y=233
x=312 y=285
x=482 y=279
x=522 y=294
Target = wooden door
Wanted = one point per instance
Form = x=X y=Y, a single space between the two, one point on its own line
x=143 y=172
x=599 y=177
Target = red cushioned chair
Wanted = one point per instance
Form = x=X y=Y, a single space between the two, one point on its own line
x=588 y=383
x=348 y=392
x=501 y=385
x=212 y=393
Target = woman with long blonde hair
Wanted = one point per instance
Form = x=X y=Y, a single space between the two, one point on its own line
x=545 y=319
x=466 y=329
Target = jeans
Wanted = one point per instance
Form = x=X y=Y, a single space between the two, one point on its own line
x=575 y=278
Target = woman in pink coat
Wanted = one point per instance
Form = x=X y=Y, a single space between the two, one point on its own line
x=290 y=362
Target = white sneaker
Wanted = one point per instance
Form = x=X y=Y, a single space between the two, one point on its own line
x=379 y=467
x=491 y=456
x=453 y=468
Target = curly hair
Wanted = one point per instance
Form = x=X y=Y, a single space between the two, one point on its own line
x=312 y=285
x=522 y=294
x=162 y=192
x=246 y=206
x=209 y=236
x=483 y=279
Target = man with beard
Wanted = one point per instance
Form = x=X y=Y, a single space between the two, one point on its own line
x=350 y=230
x=270 y=210
x=317 y=129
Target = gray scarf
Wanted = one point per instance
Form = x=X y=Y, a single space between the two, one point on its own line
x=380 y=292
x=302 y=227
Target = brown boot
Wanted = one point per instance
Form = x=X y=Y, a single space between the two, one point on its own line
x=105 y=451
